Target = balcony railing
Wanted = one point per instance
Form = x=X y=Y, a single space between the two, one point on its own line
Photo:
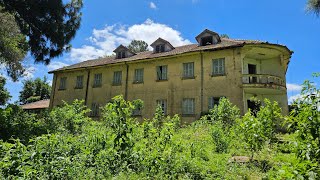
x=263 y=79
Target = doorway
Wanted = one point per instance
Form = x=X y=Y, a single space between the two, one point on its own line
x=254 y=106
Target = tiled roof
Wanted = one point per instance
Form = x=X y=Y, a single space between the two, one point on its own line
x=224 y=44
x=43 y=104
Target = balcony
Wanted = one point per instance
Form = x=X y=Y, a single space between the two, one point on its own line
x=263 y=81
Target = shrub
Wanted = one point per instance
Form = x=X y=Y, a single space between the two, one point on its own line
x=270 y=117
x=117 y=116
x=69 y=117
x=224 y=112
x=16 y=123
x=253 y=133
x=220 y=138
x=306 y=118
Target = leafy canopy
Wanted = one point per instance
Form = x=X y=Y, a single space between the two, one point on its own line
x=34 y=90
x=49 y=25
x=4 y=94
x=306 y=117
x=137 y=46
x=314 y=6
x=13 y=45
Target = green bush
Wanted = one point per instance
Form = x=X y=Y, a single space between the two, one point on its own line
x=18 y=124
x=69 y=118
x=71 y=146
x=220 y=138
x=253 y=133
x=225 y=112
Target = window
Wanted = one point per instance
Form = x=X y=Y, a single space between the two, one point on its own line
x=218 y=67
x=214 y=101
x=163 y=104
x=94 y=110
x=208 y=40
x=138 y=76
x=188 y=70
x=121 y=54
x=79 y=82
x=160 y=48
x=117 y=77
x=63 y=83
x=97 y=80
x=162 y=72
x=188 y=106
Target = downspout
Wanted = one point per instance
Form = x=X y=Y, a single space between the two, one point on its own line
x=202 y=81
x=53 y=91
x=87 y=87
x=127 y=79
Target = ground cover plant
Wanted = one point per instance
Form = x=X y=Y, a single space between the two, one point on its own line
x=66 y=144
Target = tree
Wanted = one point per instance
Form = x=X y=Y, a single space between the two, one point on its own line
x=35 y=90
x=13 y=46
x=314 y=6
x=306 y=118
x=4 y=94
x=137 y=46
x=49 y=25
x=224 y=36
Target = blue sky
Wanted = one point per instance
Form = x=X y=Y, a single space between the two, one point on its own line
x=106 y=24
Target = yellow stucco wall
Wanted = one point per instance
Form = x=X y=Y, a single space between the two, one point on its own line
x=173 y=90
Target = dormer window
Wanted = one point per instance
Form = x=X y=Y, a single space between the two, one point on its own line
x=160 y=48
x=208 y=40
x=161 y=45
x=208 y=37
x=121 y=54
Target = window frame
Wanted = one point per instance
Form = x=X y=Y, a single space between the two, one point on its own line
x=63 y=83
x=79 y=82
x=97 y=82
x=213 y=101
x=117 y=81
x=138 y=78
x=160 y=48
x=187 y=70
x=121 y=54
x=164 y=105
x=206 y=37
x=216 y=71
x=186 y=107
x=94 y=110
x=161 y=74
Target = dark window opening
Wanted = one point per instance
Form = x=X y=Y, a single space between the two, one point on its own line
x=253 y=106
x=160 y=48
x=121 y=54
x=252 y=69
x=208 y=40
x=162 y=72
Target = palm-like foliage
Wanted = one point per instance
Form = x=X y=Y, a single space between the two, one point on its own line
x=314 y=6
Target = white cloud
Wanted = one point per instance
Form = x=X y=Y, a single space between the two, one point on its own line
x=294 y=97
x=152 y=5
x=28 y=74
x=104 y=41
x=293 y=87
x=56 y=65
x=49 y=82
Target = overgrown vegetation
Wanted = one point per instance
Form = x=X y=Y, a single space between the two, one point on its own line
x=66 y=144
x=35 y=90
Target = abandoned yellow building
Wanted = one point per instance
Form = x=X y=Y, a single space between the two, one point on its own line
x=186 y=80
